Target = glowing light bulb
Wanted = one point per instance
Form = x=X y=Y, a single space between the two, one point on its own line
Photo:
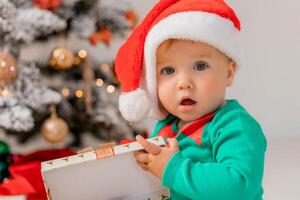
x=99 y=82
x=79 y=93
x=5 y=92
x=65 y=92
x=82 y=53
x=105 y=68
x=110 y=88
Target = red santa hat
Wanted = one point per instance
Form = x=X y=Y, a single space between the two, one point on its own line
x=209 y=21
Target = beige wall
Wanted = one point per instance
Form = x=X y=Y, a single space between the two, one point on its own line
x=268 y=83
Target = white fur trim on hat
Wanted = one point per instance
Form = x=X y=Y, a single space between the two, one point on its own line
x=134 y=105
x=191 y=25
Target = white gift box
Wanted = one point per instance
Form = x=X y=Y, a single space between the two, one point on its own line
x=109 y=173
x=17 y=197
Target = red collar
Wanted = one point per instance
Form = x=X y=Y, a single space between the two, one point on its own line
x=192 y=130
x=195 y=125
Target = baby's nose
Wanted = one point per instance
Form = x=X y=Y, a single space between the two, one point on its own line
x=184 y=84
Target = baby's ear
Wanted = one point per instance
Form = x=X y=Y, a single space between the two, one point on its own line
x=231 y=72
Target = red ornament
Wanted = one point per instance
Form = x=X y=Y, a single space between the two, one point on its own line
x=103 y=35
x=132 y=18
x=95 y=38
x=47 y=4
x=106 y=36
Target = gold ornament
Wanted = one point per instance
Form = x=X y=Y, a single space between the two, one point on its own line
x=54 y=129
x=8 y=69
x=62 y=58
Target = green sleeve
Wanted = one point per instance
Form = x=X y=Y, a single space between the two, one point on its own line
x=238 y=148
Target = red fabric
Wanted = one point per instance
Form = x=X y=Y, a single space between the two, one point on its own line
x=218 y=7
x=192 y=130
x=130 y=56
x=167 y=132
x=126 y=141
x=26 y=174
x=43 y=155
x=129 y=59
x=30 y=172
x=18 y=185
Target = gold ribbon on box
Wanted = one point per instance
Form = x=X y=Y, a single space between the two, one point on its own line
x=105 y=150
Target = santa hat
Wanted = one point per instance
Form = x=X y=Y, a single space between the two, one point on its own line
x=209 y=21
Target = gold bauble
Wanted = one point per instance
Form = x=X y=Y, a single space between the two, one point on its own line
x=62 y=58
x=54 y=129
x=8 y=69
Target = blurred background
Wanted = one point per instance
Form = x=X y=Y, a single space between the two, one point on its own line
x=58 y=90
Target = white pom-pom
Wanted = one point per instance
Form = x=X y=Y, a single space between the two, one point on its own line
x=135 y=105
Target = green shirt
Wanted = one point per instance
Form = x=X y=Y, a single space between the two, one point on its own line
x=222 y=158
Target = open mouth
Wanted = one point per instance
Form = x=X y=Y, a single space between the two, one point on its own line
x=187 y=102
x=187 y=105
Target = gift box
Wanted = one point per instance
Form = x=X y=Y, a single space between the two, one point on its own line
x=17 y=197
x=107 y=173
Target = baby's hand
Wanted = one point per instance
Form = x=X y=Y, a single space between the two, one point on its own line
x=155 y=158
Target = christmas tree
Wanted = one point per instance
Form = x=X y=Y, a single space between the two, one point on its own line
x=61 y=88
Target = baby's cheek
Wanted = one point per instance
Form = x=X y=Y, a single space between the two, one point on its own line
x=163 y=91
x=213 y=92
x=166 y=97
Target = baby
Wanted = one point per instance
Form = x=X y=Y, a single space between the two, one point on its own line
x=176 y=66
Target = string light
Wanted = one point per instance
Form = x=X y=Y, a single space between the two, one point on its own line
x=79 y=93
x=99 y=82
x=82 y=53
x=12 y=68
x=105 y=68
x=5 y=92
x=110 y=88
x=65 y=92
x=3 y=64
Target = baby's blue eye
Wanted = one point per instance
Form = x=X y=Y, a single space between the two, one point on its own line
x=167 y=70
x=200 y=66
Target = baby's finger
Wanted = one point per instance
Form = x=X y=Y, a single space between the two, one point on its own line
x=143 y=166
x=173 y=143
x=135 y=153
x=142 y=157
x=149 y=147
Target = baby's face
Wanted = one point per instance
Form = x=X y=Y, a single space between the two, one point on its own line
x=192 y=78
